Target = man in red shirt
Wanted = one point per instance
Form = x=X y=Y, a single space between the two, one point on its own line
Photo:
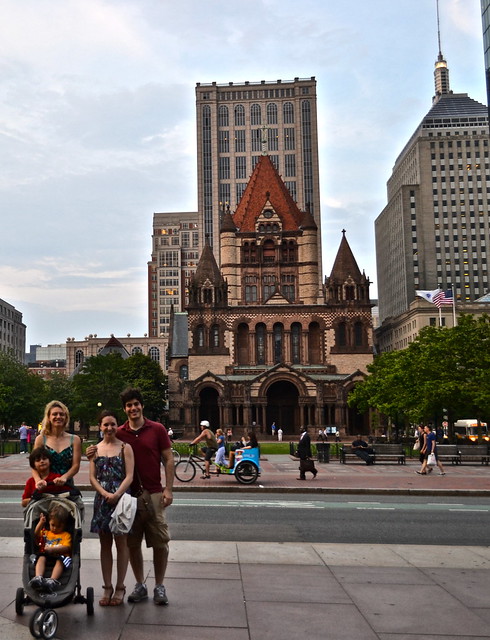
x=151 y=445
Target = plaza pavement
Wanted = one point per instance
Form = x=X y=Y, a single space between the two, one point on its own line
x=284 y=591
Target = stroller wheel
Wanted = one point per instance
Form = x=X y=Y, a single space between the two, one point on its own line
x=90 y=601
x=44 y=623
x=19 y=601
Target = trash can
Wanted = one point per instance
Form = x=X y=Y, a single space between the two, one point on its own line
x=323 y=451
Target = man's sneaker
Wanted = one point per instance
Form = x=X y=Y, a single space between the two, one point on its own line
x=159 y=595
x=37 y=583
x=50 y=584
x=140 y=592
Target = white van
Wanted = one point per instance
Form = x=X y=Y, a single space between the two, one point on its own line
x=469 y=429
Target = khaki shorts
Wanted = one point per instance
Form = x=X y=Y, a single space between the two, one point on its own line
x=155 y=529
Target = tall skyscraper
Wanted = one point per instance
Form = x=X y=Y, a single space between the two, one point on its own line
x=485 y=13
x=236 y=123
x=174 y=257
x=434 y=230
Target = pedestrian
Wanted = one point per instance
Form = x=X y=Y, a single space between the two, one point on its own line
x=273 y=429
x=429 y=449
x=23 y=435
x=151 y=446
x=279 y=434
x=321 y=435
x=337 y=436
x=211 y=446
x=229 y=435
x=111 y=475
x=306 y=463
x=221 y=453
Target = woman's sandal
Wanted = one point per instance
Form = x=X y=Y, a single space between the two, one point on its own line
x=205 y=477
x=105 y=601
x=115 y=600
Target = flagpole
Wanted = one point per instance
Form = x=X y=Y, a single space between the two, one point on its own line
x=454 y=306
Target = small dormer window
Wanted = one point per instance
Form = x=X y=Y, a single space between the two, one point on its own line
x=268 y=213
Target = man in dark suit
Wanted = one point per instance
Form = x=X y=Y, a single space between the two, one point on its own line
x=304 y=454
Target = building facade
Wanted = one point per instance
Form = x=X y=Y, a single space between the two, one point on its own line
x=174 y=257
x=235 y=123
x=77 y=351
x=12 y=331
x=434 y=230
x=261 y=341
x=485 y=10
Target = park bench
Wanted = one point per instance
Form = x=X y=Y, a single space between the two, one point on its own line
x=448 y=453
x=474 y=453
x=389 y=453
x=346 y=454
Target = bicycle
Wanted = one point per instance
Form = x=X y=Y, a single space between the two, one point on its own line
x=185 y=470
x=246 y=469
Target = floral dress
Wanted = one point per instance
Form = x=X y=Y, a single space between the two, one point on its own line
x=110 y=472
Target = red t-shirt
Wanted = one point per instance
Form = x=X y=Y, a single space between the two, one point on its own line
x=51 y=488
x=148 y=442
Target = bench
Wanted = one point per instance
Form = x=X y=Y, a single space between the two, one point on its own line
x=448 y=453
x=346 y=453
x=389 y=453
x=474 y=453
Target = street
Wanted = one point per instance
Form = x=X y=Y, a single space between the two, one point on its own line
x=307 y=518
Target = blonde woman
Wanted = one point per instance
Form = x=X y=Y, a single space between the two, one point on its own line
x=65 y=448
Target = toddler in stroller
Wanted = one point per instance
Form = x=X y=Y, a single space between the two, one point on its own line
x=54 y=545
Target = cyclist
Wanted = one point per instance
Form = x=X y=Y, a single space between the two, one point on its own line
x=211 y=446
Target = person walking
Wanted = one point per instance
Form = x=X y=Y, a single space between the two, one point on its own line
x=111 y=475
x=430 y=447
x=279 y=434
x=23 y=435
x=304 y=453
x=273 y=429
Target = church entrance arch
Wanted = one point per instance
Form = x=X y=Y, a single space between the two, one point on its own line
x=283 y=407
x=208 y=407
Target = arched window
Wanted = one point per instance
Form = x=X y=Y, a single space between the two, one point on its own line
x=350 y=292
x=154 y=353
x=255 y=115
x=260 y=344
x=223 y=118
x=239 y=115
x=272 y=113
x=278 y=342
x=314 y=344
x=78 y=357
x=184 y=372
x=358 y=334
x=207 y=295
x=200 y=336
x=136 y=350
x=341 y=337
x=215 y=335
x=296 y=343
x=242 y=344
x=288 y=113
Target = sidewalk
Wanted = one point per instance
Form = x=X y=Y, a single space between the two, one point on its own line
x=269 y=591
x=280 y=473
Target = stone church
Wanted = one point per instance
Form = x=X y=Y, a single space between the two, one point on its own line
x=263 y=339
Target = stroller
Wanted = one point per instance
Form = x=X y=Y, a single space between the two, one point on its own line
x=44 y=621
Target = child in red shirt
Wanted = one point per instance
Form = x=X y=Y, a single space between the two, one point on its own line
x=40 y=460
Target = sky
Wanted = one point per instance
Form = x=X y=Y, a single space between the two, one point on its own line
x=98 y=132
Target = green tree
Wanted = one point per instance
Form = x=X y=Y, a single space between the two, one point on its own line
x=21 y=393
x=444 y=368
x=145 y=374
x=59 y=387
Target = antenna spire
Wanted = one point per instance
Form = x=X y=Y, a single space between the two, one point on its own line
x=441 y=72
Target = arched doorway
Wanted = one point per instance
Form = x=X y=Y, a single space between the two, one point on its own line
x=208 y=407
x=282 y=406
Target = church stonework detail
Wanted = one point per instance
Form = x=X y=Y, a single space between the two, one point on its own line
x=260 y=341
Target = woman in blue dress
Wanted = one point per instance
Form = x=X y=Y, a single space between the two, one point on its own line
x=111 y=474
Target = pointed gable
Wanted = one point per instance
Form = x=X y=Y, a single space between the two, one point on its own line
x=345 y=264
x=266 y=187
x=207 y=270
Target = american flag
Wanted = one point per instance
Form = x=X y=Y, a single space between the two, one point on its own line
x=443 y=297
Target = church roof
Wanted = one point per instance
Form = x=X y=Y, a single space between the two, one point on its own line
x=113 y=345
x=345 y=264
x=266 y=186
x=207 y=268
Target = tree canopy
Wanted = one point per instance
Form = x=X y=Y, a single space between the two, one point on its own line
x=444 y=370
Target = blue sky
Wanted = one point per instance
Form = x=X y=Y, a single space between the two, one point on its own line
x=97 y=128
